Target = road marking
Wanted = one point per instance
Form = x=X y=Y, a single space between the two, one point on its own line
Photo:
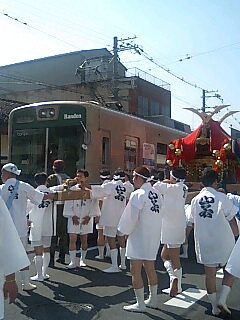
x=92 y=248
x=219 y=274
x=186 y=298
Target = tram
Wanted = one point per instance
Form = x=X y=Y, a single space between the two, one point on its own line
x=85 y=135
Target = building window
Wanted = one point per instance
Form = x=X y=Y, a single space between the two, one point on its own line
x=130 y=153
x=105 y=151
x=154 y=108
x=179 y=125
x=142 y=106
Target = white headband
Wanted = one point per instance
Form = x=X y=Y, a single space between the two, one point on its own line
x=177 y=179
x=104 y=177
x=142 y=176
x=118 y=177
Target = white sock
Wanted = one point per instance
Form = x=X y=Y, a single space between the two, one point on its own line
x=101 y=251
x=139 y=294
x=224 y=292
x=122 y=256
x=152 y=299
x=169 y=268
x=46 y=260
x=178 y=274
x=83 y=255
x=213 y=299
x=114 y=257
x=39 y=264
x=72 y=255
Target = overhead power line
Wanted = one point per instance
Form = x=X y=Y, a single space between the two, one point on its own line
x=189 y=56
x=44 y=32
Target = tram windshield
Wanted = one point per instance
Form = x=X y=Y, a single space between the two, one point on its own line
x=36 y=149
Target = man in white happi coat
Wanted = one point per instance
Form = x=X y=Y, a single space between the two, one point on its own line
x=232 y=270
x=41 y=228
x=211 y=212
x=13 y=257
x=114 y=202
x=141 y=221
x=80 y=215
x=15 y=194
x=105 y=176
x=174 y=193
x=128 y=184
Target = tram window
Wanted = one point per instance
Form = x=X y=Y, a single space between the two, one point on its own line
x=105 y=151
x=130 y=154
x=161 y=153
x=161 y=148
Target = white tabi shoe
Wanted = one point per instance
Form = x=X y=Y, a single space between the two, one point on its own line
x=28 y=287
x=112 y=270
x=122 y=267
x=71 y=265
x=152 y=302
x=82 y=263
x=37 y=278
x=135 y=308
x=99 y=257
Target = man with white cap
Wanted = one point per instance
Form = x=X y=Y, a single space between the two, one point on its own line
x=13 y=257
x=15 y=194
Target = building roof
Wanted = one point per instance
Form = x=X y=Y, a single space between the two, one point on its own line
x=57 y=70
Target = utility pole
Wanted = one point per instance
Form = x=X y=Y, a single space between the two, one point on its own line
x=204 y=96
x=118 y=46
x=115 y=69
x=204 y=100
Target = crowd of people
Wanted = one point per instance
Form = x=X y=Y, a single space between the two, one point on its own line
x=132 y=220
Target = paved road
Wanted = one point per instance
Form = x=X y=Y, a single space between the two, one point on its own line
x=88 y=293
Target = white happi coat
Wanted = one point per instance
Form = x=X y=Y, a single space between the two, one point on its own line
x=40 y=217
x=129 y=188
x=114 y=195
x=211 y=212
x=12 y=253
x=233 y=265
x=81 y=209
x=141 y=221
x=18 y=209
x=236 y=201
x=174 y=218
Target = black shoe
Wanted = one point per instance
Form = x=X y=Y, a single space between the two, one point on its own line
x=60 y=260
x=51 y=264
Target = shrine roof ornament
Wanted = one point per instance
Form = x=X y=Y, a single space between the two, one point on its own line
x=206 y=116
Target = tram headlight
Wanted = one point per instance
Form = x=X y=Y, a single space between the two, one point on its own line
x=46 y=113
x=51 y=113
x=42 y=113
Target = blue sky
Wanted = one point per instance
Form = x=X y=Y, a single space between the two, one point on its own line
x=167 y=30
